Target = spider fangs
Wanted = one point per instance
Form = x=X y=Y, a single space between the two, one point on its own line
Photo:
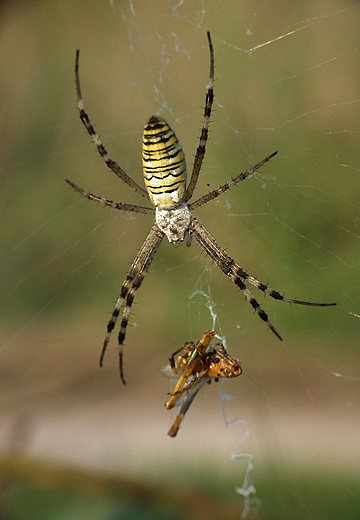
x=164 y=171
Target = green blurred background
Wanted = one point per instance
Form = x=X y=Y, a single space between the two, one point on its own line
x=74 y=442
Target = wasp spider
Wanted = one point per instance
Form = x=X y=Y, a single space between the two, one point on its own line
x=164 y=172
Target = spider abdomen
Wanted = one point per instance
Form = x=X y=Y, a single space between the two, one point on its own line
x=163 y=163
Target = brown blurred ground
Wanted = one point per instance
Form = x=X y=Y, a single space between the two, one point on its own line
x=57 y=404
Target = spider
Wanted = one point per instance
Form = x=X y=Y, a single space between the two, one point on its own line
x=164 y=171
x=197 y=365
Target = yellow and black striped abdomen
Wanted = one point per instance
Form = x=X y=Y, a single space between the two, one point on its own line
x=163 y=163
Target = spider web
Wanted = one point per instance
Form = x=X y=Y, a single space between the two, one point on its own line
x=286 y=81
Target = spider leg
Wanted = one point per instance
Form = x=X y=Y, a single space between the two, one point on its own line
x=128 y=289
x=242 y=176
x=200 y=152
x=110 y=203
x=277 y=296
x=237 y=275
x=112 y=165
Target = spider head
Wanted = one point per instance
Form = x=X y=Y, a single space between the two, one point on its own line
x=174 y=222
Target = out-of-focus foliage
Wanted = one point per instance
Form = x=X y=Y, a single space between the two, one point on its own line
x=287 y=79
x=60 y=254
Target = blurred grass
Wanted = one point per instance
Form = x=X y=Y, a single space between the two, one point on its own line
x=32 y=490
x=60 y=253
